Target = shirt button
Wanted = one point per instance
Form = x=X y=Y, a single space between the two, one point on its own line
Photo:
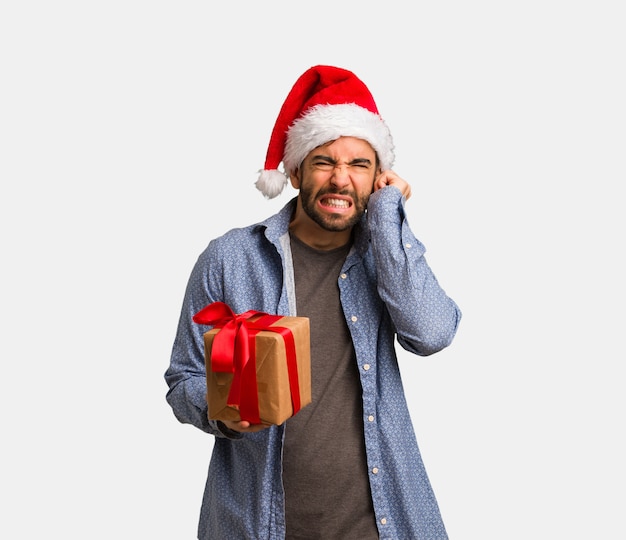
x=384 y=521
x=366 y=367
x=353 y=318
x=408 y=245
x=375 y=470
x=371 y=417
x=343 y=276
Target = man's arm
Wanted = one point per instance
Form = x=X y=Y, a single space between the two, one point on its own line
x=425 y=318
x=186 y=374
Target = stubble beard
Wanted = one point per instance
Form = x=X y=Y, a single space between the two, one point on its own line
x=334 y=223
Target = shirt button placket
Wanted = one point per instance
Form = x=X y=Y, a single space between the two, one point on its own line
x=366 y=367
x=376 y=472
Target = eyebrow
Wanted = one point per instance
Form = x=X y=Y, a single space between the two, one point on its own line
x=327 y=159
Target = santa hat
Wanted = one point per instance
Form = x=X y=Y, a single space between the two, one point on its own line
x=324 y=104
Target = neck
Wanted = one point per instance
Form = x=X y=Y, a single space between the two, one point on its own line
x=309 y=232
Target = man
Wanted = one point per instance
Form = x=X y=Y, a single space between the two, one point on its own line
x=346 y=466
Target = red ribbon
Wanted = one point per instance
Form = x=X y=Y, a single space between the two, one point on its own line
x=233 y=351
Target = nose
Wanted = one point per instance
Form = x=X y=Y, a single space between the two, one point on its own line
x=341 y=176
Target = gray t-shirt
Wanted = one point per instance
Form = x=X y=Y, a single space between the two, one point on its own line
x=327 y=493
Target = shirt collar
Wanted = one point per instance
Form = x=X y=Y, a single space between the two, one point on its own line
x=278 y=225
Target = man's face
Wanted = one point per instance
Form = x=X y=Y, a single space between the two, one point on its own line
x=335 y=182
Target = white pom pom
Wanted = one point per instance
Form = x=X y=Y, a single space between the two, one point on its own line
x=271 y=183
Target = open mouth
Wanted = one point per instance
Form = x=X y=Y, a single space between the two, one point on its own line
x=335 y=202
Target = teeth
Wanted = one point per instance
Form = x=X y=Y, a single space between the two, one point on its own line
x=339 y=203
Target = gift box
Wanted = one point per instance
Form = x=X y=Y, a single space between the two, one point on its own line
x=258 y=366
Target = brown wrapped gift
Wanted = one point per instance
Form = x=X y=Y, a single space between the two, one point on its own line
x=272 y=375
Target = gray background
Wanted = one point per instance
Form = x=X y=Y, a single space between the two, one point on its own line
x=130 y=135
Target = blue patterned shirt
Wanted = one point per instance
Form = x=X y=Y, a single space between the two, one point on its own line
x=387 y=292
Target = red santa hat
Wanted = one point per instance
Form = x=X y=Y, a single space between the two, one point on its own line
x=324 y=104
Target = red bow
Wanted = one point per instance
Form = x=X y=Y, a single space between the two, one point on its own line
x=233 y=351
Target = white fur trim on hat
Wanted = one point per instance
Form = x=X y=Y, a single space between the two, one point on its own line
x=325 y=123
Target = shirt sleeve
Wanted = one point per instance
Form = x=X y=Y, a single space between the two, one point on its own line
x=425 y=318
x=186 y=374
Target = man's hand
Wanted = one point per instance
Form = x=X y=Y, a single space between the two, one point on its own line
x=390 y=178
x=244 y=426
